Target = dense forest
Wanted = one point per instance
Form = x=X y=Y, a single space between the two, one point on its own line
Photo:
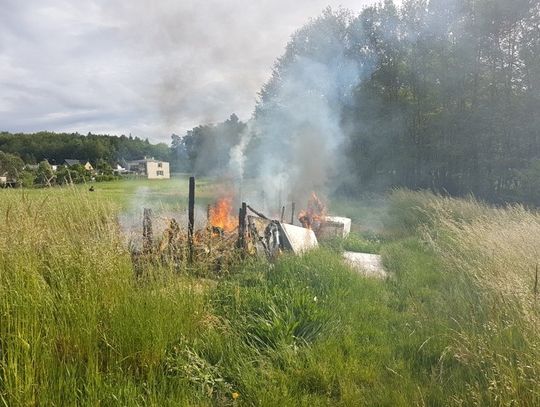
x=445 y=95
x=56 y=147
x=438 y=94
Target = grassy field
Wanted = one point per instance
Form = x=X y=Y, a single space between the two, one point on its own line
x=456 y=324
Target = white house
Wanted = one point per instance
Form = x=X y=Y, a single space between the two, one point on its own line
x=151 y=168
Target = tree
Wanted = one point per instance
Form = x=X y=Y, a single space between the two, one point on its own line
x=444 y=96
x=45 y=175
x=59 y=146
x=207 y=147
x=11 y=166
x=103 y=167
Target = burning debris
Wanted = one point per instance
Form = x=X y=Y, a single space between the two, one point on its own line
x=313 y=216
x=220 y=216
x=227 y=237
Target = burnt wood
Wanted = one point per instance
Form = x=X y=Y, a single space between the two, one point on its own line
x=191 y=216
x=242 y=212
x=148 y=234
x=260 y=215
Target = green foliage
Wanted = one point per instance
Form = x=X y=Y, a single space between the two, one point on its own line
x=56 y=147
x=27 y=178
x=45 y=175
x=108 y=177
x=443 y=98
x=76 y=327
x=11 y=166
x=367 y=242
x=472 y=266
x=207 y=147
x=529 y=183
x=103 y=167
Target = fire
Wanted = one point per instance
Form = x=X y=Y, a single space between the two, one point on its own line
x=313 y=216
x=221 y=215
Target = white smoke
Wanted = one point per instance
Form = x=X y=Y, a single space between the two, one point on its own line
x=297 y=135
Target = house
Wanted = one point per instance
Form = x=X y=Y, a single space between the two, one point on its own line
x=34 y=167
x=119 y=169
x=6 y=181
x=70 y=162
x=150 y=168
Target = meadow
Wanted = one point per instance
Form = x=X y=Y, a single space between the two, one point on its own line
x=455 y=324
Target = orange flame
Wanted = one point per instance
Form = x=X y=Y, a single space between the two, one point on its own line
x=221 y=215
x=313 y=216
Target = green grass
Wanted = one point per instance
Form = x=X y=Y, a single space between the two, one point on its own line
x=76 y=327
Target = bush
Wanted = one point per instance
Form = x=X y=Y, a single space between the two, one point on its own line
x=106 y=177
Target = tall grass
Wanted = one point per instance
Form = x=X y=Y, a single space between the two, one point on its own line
x=456 y=324
x=74 y=324
x=77 y=328
x=490 y=258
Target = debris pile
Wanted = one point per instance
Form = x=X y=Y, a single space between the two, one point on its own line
x=227 y=237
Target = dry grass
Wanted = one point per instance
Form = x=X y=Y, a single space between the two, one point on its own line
x=457 y=325
x=494 y=255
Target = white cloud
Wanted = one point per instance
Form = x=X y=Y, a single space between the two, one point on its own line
x=144 y=67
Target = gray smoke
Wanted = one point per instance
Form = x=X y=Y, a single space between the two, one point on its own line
x=296 y=137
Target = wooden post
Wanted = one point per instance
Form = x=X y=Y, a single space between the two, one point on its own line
x=292 y=213
x=242 y=212
x=282 y=214
x=244 y=228
x=191 y=216
x=147 y=230
x=239 y=241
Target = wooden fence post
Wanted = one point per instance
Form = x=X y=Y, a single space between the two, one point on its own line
x=191 y=216
x=242 y=212
x=147 y=230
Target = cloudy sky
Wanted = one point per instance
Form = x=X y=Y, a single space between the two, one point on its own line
x=145 y=67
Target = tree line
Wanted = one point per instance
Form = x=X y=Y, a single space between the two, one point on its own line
x=25 y=159
x=442 y=95
x=56 y=147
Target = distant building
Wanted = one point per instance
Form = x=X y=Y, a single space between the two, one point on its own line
x=53 y=164
x=151 y=168
x=119 y=169
x=6 y=181
x=70 y=162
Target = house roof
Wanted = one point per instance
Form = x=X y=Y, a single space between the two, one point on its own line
x=145 y=160
x=71 y=162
